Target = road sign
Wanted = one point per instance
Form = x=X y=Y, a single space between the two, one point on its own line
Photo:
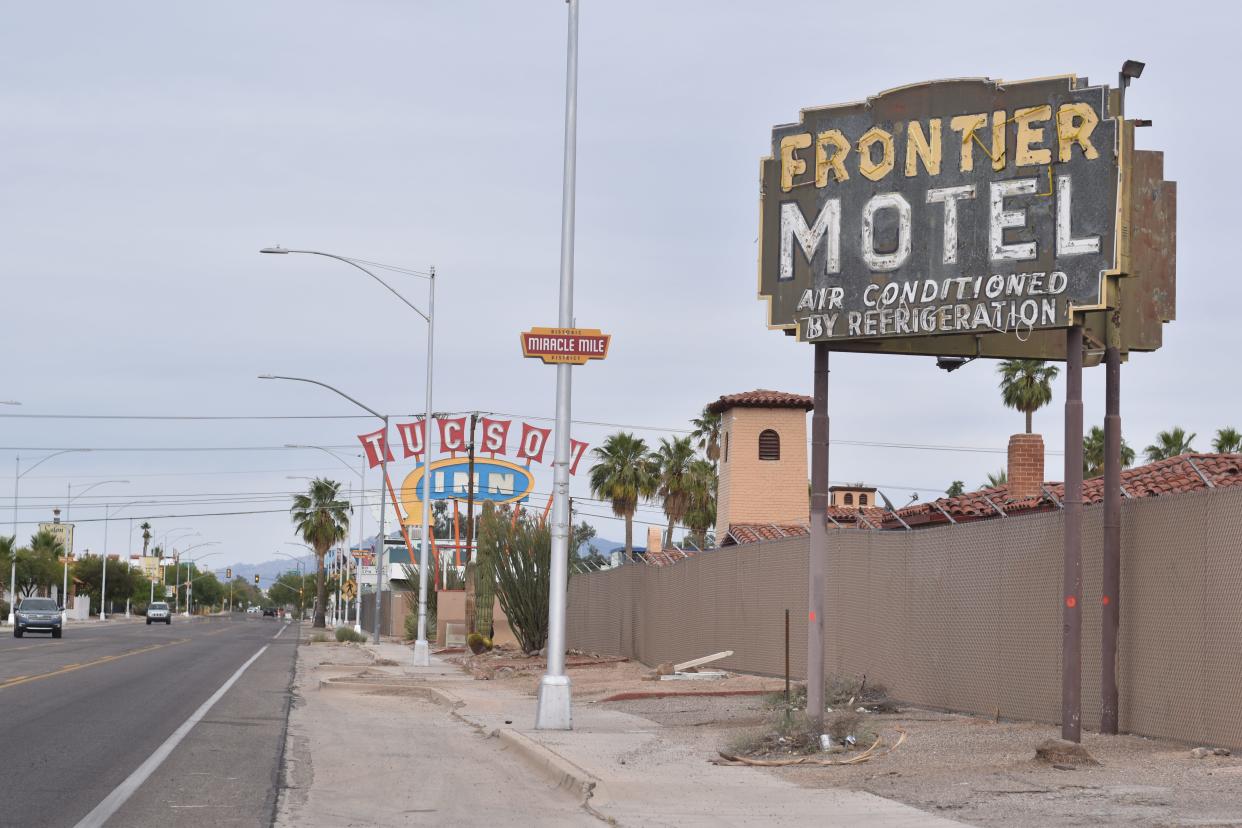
x=560 y=346
x=350 y=589
x=962 y=207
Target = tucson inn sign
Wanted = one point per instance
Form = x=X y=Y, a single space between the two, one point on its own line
x=975 y=218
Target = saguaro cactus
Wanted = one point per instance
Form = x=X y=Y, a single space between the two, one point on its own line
x=485 y=572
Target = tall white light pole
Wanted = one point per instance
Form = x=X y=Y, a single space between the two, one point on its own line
x=383 y=473
x=422 y=653
x=193 y=562
x=103 y=590
x=69 y=496
x=554 y=711
x=18 y=474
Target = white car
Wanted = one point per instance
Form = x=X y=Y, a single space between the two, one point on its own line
x=159 y=611
x=254 y=610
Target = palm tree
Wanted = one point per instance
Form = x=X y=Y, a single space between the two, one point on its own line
x=321 y=520
x=1026 y=385
x=700 y=514
x=1093 y=453
x=146 y=536
x=955 y=489
x=1169 y=444
x=672 y=467
x=706 y=434
x=1228 y=441
x=996 y=480
x=623 y=474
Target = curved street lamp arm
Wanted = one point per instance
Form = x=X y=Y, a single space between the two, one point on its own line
x=49 y=457
x=352 y=263
x=326 y=451
x=330 y=388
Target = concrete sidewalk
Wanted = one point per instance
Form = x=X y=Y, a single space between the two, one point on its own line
x=625 y=772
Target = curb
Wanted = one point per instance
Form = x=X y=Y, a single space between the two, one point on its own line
x=431 y=694
x=657 y=694
x=563 y=773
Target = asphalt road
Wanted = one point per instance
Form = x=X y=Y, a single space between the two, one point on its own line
x=79 y=715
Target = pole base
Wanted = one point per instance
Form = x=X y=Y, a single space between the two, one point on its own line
x=10 y=621
x=422 y=653
x=554 y=711
x=102 y=617
x=358 y=629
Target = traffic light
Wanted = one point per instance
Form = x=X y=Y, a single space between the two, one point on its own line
x=256 y=579
x=228 y=573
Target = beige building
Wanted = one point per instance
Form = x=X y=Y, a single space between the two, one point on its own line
x=851 y=497
x=763 y=459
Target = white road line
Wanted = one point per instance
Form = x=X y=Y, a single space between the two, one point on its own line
x=282 y=629
x=112 y=803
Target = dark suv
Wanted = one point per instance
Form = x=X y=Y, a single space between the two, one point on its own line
x=269 y=611
x=37 y=615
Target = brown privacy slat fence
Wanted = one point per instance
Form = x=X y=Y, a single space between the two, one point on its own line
x=964 y=617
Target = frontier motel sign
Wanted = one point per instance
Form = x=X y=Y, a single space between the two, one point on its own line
x=965 y=207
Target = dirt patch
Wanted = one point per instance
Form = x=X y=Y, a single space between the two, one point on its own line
x=596 y=678
x=985 y=773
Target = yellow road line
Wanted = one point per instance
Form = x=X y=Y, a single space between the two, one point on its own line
x=69 y=668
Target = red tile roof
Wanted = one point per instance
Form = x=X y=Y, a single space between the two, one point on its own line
x=761 y=398
x=1177 y=475
x=1173 y=476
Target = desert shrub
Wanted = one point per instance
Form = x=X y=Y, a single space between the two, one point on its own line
x=411 y=625
x=319 y=638
x=344 y=634
x=478 y=643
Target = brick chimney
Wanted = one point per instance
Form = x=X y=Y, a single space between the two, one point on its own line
x=655 y=539
x=1026 y=465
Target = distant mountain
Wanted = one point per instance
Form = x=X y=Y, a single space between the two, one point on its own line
x=269 y=571
x=604 y=546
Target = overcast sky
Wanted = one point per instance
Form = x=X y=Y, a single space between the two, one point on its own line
x=150 y=149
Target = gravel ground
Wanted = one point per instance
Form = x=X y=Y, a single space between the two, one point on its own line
x=983 y=773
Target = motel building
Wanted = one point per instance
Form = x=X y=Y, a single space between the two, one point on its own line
x=763 y=491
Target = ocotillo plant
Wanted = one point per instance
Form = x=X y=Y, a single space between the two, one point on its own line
x=522 y=552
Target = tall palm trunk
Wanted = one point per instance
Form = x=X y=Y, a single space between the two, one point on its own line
x=1028 y=421
x=668 y=536
x=321 y=590
x=629 y=537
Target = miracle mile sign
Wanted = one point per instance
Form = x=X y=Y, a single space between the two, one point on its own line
x=964 y=207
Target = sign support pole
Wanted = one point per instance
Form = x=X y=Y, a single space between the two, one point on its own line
x=553 y=711
x=1111 y=613
x=819 y=540
x=1071 y=634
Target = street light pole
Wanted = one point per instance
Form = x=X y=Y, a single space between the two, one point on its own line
x=64 y=597
x=18 y=474
x=379 y=569
x=553 y=710
x=422 y=653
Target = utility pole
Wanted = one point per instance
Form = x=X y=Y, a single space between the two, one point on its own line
x=474 y=419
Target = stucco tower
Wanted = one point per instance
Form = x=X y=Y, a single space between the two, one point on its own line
x=763 y=459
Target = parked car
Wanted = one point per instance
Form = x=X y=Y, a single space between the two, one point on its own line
x=269 y=611
x=159 y=611
x=37 y=615
x=254 y=610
